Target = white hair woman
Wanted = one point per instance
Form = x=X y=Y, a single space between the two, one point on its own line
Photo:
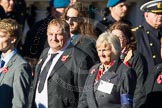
x=109 y=84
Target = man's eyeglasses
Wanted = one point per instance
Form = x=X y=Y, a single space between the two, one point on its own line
x=73 y=19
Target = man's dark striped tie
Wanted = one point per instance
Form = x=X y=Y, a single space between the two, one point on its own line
x=44 y=73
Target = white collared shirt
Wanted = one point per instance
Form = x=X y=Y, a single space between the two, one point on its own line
x=8 y=56
x=41 y=99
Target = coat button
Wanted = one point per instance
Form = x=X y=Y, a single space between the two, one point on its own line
x=151 y=44
x=154 y=56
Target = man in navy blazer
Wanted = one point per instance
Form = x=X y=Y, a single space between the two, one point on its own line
x=67 y=73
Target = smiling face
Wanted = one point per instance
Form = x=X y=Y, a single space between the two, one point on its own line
x=56 y=37
x=7 y=5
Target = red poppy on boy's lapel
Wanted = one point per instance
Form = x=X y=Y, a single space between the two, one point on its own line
x=4 y=70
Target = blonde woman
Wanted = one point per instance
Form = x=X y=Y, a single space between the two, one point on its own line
x=109 y=84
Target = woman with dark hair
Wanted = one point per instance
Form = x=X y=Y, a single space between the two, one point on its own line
x=131 y=57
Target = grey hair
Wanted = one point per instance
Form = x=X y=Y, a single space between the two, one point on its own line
x=108 y=38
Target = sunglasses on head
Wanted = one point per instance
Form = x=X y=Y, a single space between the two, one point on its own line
x=73 y=19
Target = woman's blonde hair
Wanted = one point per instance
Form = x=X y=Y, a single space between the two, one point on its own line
x=107 y=38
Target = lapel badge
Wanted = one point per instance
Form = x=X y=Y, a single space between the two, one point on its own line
x=159 y=5
x=159 y=79
x=92 y=71
x=40 y=60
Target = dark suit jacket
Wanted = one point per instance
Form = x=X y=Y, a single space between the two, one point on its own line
x=87 y=45
x=15 y=84
x=66 y=80
x=123 y=79
x=153 y=96
x=139 y=65
x=148 y=44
